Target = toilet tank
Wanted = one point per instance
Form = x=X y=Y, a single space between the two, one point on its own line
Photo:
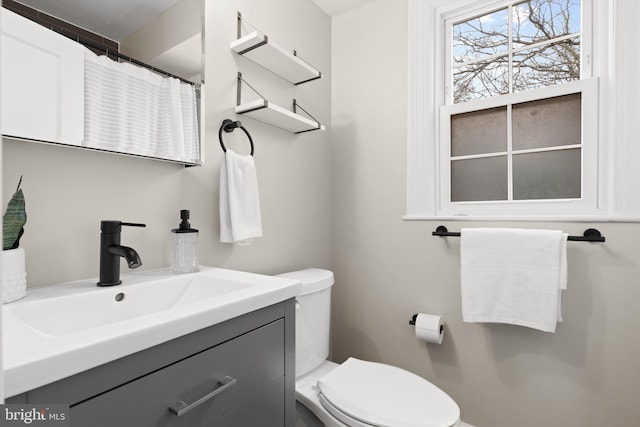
x=313 y=309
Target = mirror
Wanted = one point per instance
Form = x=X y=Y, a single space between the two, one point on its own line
x=166 y=35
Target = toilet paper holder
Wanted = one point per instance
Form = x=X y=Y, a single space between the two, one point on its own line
x=413 y=322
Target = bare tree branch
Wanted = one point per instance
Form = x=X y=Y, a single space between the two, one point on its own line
x=536 y=23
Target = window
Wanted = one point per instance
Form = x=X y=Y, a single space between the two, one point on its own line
x=529 y=153
x=518 y=47
x=510 y=127
x=544 y=151
x=511 y=133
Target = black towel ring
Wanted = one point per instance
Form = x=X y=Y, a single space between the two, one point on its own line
x=229 y=126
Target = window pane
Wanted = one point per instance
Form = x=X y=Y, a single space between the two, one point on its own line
x=539 y=20
x=547 y=65
x=482 y=36
x=547 y=175
x=479 y=179
x=547 y=123
x=481 y=80
x=479 y=132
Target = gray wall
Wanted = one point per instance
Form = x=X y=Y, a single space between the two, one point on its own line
x=386 y=270
x=68 y=191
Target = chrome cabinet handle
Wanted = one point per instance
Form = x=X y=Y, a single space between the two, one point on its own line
x=182 y=407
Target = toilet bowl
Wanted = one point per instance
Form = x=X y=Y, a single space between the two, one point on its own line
x=356 y=393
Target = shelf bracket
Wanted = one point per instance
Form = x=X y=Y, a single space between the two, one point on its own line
x=239 y=90
x=295 y=111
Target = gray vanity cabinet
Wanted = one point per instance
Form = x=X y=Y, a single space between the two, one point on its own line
x=247 y=363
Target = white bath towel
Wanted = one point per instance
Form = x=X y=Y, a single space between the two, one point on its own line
x=513 y=276
x=240 y=220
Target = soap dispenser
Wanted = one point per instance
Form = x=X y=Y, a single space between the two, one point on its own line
x=184 y=246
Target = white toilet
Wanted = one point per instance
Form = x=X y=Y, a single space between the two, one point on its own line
x=356 y=393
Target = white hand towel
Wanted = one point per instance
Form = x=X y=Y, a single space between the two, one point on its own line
x=563 y=274
x=240 y=220
x=512 y=276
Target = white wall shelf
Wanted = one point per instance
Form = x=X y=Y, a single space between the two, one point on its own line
x=265 y=111
x=272 y=114
x=257 y=47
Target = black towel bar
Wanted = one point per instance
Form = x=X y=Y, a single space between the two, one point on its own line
x=229 y=126
x=589 y=235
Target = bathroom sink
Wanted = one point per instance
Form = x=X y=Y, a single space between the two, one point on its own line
x=201 y=287
x=60 y=330
x=70 y=313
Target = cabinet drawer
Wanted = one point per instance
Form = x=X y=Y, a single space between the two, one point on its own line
x=146 y=401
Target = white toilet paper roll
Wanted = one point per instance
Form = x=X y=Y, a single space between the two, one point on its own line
x=429 y=328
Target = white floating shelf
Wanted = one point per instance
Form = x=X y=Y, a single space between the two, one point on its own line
x=258 y=48
x=272 y=114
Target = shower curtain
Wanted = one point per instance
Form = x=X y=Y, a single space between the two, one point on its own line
x=134 y=110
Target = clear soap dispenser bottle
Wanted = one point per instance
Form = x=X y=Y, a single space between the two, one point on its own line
x=184 y=246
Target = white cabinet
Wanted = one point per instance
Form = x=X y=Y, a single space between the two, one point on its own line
x=42 y=78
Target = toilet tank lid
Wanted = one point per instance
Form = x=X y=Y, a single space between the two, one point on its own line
x=313 y=279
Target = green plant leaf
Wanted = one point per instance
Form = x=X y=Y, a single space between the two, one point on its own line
x=13 y=220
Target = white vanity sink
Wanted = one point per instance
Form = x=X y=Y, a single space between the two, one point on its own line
x=80 y=308
x=57 y=331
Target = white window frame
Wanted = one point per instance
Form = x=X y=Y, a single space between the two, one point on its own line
x=618 y=126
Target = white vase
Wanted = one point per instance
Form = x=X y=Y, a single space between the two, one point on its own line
x=13 y=276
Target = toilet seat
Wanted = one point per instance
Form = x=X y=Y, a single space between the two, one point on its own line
x=361 y=393
x=341 y=416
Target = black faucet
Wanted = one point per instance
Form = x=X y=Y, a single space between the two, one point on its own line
x=111 y=251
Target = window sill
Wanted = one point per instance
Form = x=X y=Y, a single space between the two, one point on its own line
x=619 y=218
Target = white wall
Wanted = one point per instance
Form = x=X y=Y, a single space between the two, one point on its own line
x=386 y=270
x=68 y=191
x=162 y=33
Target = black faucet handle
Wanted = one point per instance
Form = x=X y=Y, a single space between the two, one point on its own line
x=112 y=226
